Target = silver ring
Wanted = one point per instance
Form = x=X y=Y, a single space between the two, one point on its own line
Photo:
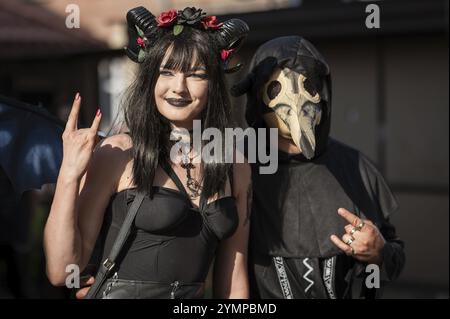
x=354 y=230
x=360 y=225
x=350 y=241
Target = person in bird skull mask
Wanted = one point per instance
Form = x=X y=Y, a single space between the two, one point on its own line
x=293 y=104
x=323 y=217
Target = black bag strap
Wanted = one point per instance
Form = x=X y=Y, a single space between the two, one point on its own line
x=109 y=263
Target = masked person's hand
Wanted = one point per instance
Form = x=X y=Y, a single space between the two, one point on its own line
x=362 y=239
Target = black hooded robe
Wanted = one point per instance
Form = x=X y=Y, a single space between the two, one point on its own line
x=294 y=213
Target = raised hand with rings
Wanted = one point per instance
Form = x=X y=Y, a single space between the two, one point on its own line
x=362 y=239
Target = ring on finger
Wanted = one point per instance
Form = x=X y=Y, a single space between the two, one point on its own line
x=360 y=225
x=350 y=241
x=354 y=230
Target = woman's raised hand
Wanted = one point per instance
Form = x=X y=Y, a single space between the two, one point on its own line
x=78 y=144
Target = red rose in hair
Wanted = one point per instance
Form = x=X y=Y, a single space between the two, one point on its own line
x=224 y=54
x=140 y=42
x=211 y=22
x=167 y=18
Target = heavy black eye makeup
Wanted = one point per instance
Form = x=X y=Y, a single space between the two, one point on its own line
x=198 y=73
x=164 y=71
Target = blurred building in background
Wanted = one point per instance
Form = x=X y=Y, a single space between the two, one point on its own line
x=390 y=89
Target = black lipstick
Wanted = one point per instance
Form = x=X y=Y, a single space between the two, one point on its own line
x=178 y=102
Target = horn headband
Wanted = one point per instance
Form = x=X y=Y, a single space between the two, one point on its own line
x=144 y=29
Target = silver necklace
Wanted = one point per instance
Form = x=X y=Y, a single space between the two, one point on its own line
x=186 y=162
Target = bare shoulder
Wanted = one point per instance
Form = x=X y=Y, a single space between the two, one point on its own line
x=121 y=141
x=113 y=150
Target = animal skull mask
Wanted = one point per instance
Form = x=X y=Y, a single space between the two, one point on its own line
x=293 y=107
x=288 y=87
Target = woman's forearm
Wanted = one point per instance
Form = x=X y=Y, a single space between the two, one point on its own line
x=62 y=240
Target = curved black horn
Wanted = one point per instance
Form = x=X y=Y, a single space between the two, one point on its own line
x=232 y=34
x=143 y=19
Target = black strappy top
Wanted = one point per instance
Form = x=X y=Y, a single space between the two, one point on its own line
x=171 y=239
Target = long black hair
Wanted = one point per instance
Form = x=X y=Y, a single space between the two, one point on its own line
x=150 y=131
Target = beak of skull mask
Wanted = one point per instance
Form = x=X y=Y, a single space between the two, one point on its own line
x=294 y=108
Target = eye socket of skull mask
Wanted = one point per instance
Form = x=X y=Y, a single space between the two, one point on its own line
x=307 y=84
x=273 y=89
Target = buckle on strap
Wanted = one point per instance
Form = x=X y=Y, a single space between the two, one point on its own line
x=108 y=264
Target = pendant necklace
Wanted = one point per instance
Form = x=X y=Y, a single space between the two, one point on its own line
x=186 y=163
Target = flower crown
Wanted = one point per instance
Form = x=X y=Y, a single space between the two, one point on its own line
x=144 y=29
x=189 y=16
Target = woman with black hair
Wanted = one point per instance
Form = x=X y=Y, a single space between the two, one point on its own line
x=193 y=211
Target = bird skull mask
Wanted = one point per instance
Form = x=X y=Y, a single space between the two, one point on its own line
x=293 y=107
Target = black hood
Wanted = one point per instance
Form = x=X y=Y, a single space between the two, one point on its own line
x=299 y=55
